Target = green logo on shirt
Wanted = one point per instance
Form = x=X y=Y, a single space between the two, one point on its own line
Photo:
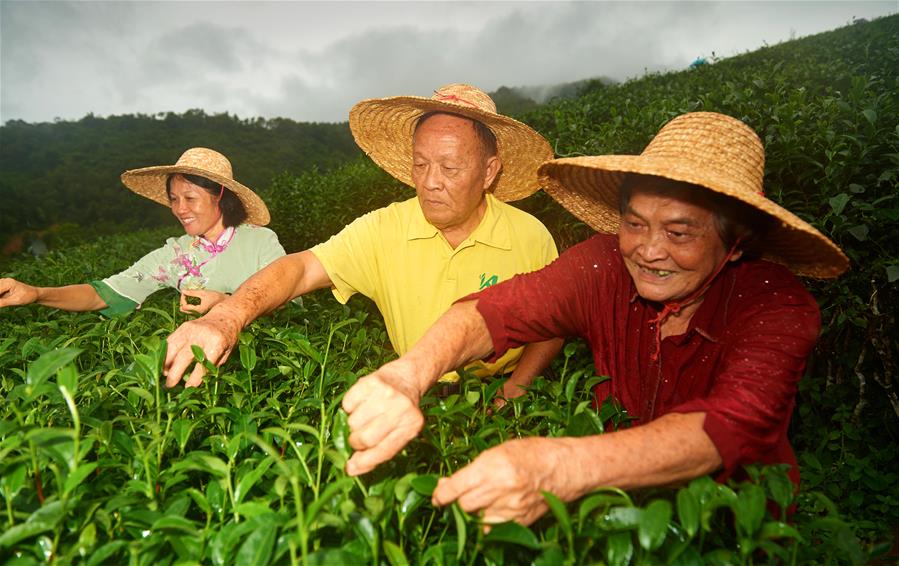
x=485 y=282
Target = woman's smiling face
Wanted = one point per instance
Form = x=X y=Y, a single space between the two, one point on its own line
x=195 y=208
x=670 y=245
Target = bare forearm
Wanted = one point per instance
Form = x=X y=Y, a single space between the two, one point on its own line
x=78 y=298
x=458 y=337
x=671 y=449
x=271 y=287
x=534 y=359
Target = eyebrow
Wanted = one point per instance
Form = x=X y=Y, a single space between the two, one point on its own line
x=685 y=220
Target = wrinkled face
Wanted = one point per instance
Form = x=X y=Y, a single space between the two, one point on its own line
x=450 y=172
x=670 y=245
x=195 y=208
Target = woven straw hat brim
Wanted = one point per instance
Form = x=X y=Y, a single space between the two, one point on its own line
x=150 y=182
x=588 y=188
x=383 y=128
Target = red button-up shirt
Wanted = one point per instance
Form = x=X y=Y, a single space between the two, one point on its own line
x=739 y=361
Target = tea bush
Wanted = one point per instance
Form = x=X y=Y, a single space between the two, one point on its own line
x=100 y=463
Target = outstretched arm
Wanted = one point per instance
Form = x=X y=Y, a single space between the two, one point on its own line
x=217 y=331
x=80 y=297
x=534 y=359
x=506 y=481
x=383 y=406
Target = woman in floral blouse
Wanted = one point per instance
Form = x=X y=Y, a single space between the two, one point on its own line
x=224 y=243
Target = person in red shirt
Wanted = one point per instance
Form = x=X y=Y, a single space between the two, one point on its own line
x=689 y=300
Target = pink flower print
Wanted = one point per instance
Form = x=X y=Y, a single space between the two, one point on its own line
x=161 y=275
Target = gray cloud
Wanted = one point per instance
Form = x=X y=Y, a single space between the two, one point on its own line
x=312 y=61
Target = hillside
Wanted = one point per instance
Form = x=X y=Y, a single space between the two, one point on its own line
x=68 y=172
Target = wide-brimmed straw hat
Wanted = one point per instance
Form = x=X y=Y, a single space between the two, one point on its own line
x=150 y=181
x=707 y=149
x=383 y=128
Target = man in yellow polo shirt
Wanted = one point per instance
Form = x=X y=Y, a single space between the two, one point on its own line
x=413 y=258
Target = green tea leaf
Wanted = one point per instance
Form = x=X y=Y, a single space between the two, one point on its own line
x=688 y=511
x=750 y=508
x=892 y=273
x=48 y=364
x=174 y=524
x=559 y=510
x=424 y=484
x=619 y=549
x=247 y=357
x=23 y=531
x=461 y=532
x=513 y=533
x=838 y=203
x=249 y=479
x=860 y=231
x=654 y=524
x=870 y=115
x=777 y=529
x=257 y=548
x=75 y=478
x=395 y=554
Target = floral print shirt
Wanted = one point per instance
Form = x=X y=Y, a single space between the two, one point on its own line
x=191 y=263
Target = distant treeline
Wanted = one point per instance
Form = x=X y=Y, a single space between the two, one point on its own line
x=68 y=172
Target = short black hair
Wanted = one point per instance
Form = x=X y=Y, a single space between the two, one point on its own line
x=733 y=219
x=485 y=135
x=233 y=211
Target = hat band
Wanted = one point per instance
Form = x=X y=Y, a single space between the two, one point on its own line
x=453 y=98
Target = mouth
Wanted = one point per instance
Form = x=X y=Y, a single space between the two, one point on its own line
x=186 y=221
x=658 y=273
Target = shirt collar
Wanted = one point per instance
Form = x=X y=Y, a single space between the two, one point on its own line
x=494 y=229
x=220 y=245
x=710 y=319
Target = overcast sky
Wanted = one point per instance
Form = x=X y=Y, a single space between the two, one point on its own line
x=312 y=61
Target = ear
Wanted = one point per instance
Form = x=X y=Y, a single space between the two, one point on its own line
x=494 y=166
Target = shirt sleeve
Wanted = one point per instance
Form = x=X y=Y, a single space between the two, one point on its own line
x=555 y=301
x=350 y=258
x=748 y=409
x=148 y=275
x=116 y=305
x=270 y=249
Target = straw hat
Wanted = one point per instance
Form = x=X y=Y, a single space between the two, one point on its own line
x=150 y=181
x=708 y=149
x=383 y=128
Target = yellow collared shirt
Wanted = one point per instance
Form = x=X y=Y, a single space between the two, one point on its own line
x=394 y=256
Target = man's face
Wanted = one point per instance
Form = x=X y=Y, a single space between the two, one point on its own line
x=670 y=245
x=451 y=173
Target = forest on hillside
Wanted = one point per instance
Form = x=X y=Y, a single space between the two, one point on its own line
x=68 y=172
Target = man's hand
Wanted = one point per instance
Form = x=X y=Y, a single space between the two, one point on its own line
x=506 y=481
x=509 y=391
x=216 y=333
x=383 y=415
x=208 y=299
x=14 y=293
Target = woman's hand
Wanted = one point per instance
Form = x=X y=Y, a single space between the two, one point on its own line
x=14 y=293
x=208 y=299
x=506 y=482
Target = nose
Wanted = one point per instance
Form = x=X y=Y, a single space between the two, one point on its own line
x=652 y=246
x=432 y=180
x=178 y=207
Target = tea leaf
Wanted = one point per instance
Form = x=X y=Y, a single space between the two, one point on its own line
x=619 y=549
x=514 y=533
x=48 y=364
x=654 y=524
